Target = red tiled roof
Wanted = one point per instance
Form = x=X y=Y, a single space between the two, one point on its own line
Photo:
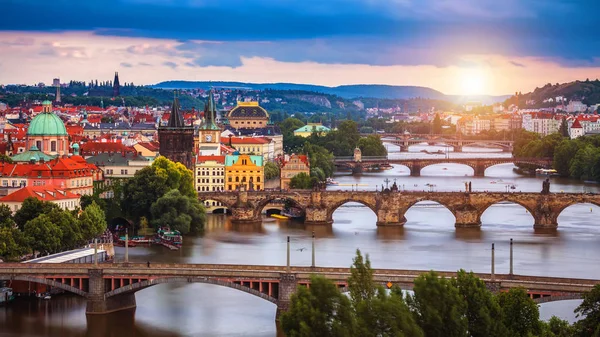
x=218 y=159
x=152 y=146
x=44 y=193
x=105 y=147
x=248 y=140
x=576 y=125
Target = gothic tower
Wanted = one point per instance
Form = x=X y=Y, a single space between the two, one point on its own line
x=116 y=86
x=177 y=140
x=209 y=134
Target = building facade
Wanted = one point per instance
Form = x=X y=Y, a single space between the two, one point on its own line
x=61 y=197
x=210 y=173
x=244 y=170
x=47 y=132
x=291 y=166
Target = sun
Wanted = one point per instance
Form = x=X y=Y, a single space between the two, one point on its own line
x=472 y=81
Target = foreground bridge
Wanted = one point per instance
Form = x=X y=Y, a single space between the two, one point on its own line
x=479 y=165
x=390 y=207
x=112 y=287
x=404 y=141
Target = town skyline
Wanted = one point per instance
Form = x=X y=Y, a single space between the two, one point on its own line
x=458 y=47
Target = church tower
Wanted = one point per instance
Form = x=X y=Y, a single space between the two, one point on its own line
x=116 y=86
x=177 y=140
x=209 y=134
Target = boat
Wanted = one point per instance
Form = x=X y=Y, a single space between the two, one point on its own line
x=546 y=172
x=330 y=181
x=277 y=216
x=6 y=295
x=292 y=213
x=171 y=239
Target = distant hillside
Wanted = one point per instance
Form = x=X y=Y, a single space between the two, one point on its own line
x=344 y=91
x=586 y=91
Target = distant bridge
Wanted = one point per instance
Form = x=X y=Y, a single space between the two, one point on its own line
x=112 y=287
x=404 y=141
x=479 y=165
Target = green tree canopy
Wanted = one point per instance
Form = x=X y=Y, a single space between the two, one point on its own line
x=179 y=212
x=92 y=221
x=72 y=236
x=483 y=312
x=372 y=146
x=319 y=157
x=13 y=243
x=271 y=170
x=438 y=306
x=42 y=235
x=30 y=209
x=589 y=314
x=520 y=313
x=302 y=181
x=320 y=311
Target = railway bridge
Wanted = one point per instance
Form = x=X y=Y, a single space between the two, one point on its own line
x=391 y=206
x=112 y=287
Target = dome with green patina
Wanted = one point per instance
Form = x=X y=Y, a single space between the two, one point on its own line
x=46 y=102
x=46 y=124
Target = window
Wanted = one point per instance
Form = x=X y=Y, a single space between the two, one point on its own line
x=53 y=146
x=5 y=183
x=237 y=179
x=123 y=171
x=258 y=179
x=229 y=180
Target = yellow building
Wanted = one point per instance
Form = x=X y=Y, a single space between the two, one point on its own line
x=244 y=170
x=248 y=115
x=308 y=130
x=293 y=165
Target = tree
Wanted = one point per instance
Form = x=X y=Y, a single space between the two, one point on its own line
x=372 y=146
x=438 y=307
x=92 y=222
x=564 y=128
x=318 y=173
x=320 y=311
x=556 y=327
x=5 y=159
x=13 y=244
x=271 y=170
x=563 y=156
x=30 y=209
x=6 y=220
x=302 y=181
x=483 y=311
x=42 y=235
x=520 y=313
x=72 y=236
x=179 y=212
x=589 y=312
x=178 y=176
x=289 y=125
x=319 y=157
x=437 y=124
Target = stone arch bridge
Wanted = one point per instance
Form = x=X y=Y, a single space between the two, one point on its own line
x=404 y=141
x=390 y=207
x=479 y=165
x=112 y=287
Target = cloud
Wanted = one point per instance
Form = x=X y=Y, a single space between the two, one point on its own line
x=170 y=64
x=377 y=32
x=126 y=65
x=517 y=64
x=144 y=64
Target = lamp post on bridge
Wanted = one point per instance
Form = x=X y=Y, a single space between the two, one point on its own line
x=493 y=273
x=126 y=245
x=511 y=257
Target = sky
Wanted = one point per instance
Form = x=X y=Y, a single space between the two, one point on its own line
x=459 y=47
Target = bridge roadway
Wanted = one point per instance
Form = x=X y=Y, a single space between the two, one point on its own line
x=111 y=287
x=404 y=141
x=479 y=165
x=390 y=207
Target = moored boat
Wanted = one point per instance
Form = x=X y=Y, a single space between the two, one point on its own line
x=6 y=295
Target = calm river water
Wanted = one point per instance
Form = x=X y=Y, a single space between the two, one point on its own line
x=427 y=241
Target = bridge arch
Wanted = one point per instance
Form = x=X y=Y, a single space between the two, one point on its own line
x=46 y=281
x=134 y=287
x=258 y=206
x=333 y=207
x=226 y=202
x=469 y=164
x=521 y=206
x=513 y=198
x=403 y=210
x=584 y=202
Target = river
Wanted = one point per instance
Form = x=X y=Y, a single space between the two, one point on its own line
x=427 y=241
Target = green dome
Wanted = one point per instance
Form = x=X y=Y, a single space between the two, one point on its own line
x=47 y=124
x=46 y=102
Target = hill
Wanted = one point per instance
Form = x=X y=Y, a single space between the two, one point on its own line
x=587 y=91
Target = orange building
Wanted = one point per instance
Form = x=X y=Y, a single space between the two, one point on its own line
x=292 y=166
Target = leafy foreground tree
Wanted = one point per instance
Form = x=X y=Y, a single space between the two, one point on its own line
x=271 y=170
x=377 y=312
x=179 y=212
x=438 y=307
x=483 y=311
x=520 y=313
x=556 y=327
x=42 y=235
x=92 y=222
x=12 y=241
x=589 y=326
x=72 y=236
x=320 y=311
x=303 y=181
x=30 y=209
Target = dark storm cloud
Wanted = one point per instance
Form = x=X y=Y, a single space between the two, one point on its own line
x=378 y=32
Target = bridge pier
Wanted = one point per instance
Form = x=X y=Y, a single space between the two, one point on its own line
x=97 y=303
x=458 y=148
x=244 y=215
x=390 y=217
x=467 y=219
x=317 y=216
x=415 y=170
x=479 y=170
x=287 y=287
x=357 y=169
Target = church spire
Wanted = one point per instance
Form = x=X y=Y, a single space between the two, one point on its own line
x=210 y=112
x=175 y=120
